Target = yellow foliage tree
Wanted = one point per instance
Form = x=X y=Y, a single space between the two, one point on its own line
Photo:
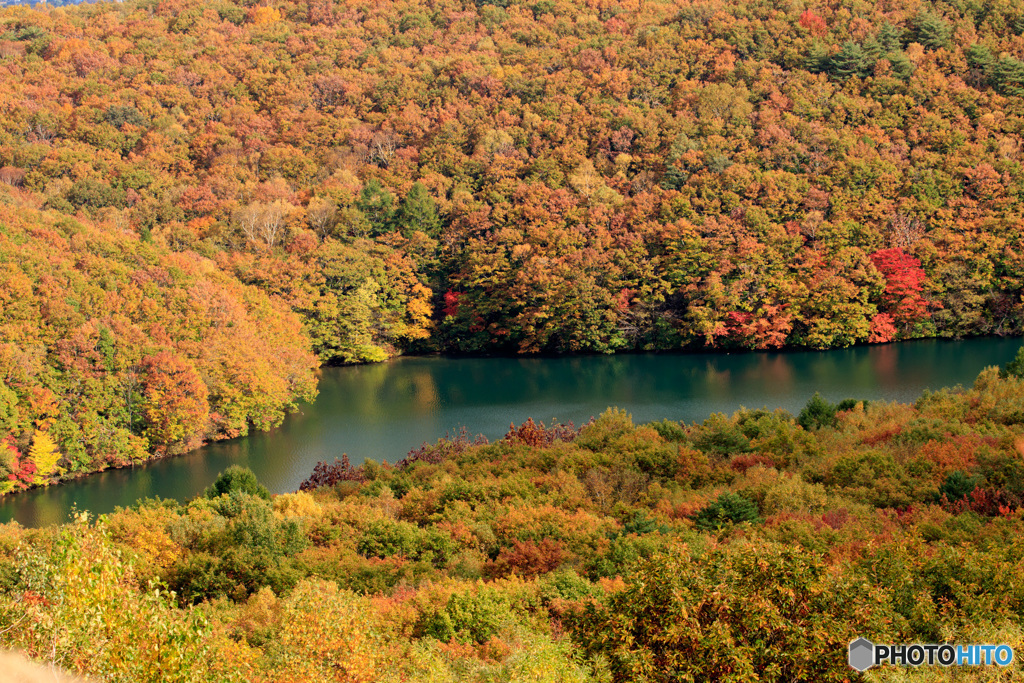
x=264 y=15
x=328 y=634
x=44 y=455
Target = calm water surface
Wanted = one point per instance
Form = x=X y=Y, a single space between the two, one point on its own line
x=381 y=411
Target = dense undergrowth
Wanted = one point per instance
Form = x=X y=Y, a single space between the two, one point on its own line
x=752 y=545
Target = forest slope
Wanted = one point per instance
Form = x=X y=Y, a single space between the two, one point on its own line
x=522 y=177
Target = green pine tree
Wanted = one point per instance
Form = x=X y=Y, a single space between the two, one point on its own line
x=850 y=61
x=418 y=213
x=1015 y=368
x=377 y=206
x=931 y=30
x=889 y=38
x=901 y=65
x=981 y=58
x=1009 y=76
x=817 y=58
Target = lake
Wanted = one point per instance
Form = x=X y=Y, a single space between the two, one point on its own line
x=381 y=411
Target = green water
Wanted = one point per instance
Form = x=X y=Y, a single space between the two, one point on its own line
x=381 y=411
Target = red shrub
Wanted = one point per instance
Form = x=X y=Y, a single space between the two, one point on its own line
x=742 y=463
x=532 y=434
x=813 y=23
x=528 y=558
x=836 y=518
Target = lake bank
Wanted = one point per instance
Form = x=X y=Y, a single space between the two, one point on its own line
x=381 y=411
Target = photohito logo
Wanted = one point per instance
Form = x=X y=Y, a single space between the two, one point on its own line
x=863 y=654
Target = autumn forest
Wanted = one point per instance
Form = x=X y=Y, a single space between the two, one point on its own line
x=200 y=205
x=203 y=203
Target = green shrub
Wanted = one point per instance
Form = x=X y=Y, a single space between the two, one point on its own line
x=239 y=551
x=641 y=524
x=612 y=423
x=957 y=485
x=237 y=478
x=1015 y=368
x=622 y=554
x=669 y=430
x=729 y=508
x=94 y=194
x=817 y=413
x=387 y=538
x=470 y=617
x=566 y=584
x=722 y=436
x=850 y=404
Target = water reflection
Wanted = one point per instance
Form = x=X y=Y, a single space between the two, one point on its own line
x=381 y=411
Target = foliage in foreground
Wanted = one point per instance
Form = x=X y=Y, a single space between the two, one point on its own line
x=746 y=546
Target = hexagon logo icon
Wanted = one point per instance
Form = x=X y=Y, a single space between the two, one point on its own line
x=862 y=654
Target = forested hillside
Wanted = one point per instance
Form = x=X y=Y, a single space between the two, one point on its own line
x=750 y=547
x=357 y=180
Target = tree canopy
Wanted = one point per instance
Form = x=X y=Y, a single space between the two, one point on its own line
x=360 y=181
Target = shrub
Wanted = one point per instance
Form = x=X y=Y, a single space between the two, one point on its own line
x=388 y=539
x=721 y=436
x=531 y=433
x=775 y=492
x=529 y=558
x=1015 y=368
x=298 y=504
x=729 y=508
x=850 y=404
x=90 y=193
x=623 y=553
x=957 y=486
x=599 y=434
x=327 y=634
x=238 y=555
x=84 y=611
x=237 y=478
x=743 y=612
x=817 y=413
x=331 y=475
x=565 y=584
x=474 y=616
x=669 y=430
